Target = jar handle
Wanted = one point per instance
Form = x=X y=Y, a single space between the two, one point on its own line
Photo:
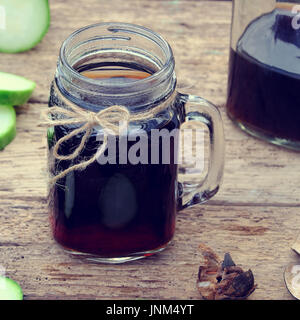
x=191 y=190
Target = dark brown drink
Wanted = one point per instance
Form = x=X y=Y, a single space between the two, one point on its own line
x=264 y=79
x=114 y=210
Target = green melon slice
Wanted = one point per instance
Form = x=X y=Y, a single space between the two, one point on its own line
x=23 y=24
x=7 y=125
x=10 y=290
x=15 y=90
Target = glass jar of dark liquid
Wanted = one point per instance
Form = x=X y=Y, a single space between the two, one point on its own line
x=264 y=72
x=122 y=210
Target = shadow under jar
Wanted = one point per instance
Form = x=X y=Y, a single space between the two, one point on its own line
x=124 y=209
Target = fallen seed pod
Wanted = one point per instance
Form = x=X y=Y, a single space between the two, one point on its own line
x=223 y=280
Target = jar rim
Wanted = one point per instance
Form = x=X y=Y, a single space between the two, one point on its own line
x=164 y=71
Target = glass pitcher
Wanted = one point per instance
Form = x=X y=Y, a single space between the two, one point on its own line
x=264 y=70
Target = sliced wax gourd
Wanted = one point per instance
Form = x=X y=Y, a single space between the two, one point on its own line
x=9 y=289
x=7 y=125
x=23 y=24
x=14 y=90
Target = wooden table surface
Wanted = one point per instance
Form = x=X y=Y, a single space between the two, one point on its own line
x=255 y=216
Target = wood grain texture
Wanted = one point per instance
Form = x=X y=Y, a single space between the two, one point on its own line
x=255 y=216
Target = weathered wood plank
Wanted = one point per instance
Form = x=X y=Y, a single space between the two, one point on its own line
x=250 y=180
x=258 y=238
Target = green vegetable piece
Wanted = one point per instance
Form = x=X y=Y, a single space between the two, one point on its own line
x=10 y=290
x=14 y=90
x=23 y=24
x=7 y=125
x=50 y=137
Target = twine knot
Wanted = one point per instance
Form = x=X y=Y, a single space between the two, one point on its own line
x=112 y=120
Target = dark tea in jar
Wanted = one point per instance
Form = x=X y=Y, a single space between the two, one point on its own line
x=113 y=196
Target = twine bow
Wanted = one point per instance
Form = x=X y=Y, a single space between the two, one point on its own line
x=112 y=120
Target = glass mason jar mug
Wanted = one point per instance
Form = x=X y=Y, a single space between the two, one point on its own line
x=113 y=196
x=264 y=70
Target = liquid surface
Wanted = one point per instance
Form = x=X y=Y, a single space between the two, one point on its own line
x=114 y=210
x=116 y=75
x=264 y=77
